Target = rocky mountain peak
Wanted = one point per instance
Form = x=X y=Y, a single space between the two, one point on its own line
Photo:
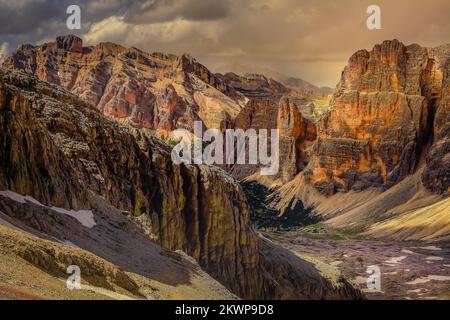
x=382 y=117
x=70 y=43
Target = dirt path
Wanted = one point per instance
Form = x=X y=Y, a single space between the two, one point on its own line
x=409 y=270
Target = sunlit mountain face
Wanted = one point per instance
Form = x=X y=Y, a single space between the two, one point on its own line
x=190 y=149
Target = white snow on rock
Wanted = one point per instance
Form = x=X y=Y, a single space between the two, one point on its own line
x=432 y=248
x=85 y=217
x=428 y=279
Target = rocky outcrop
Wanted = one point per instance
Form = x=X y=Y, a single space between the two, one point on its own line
x=164 y=92
x=58 y=152
x=379 y=124
x=297 y=135
x=62 y=151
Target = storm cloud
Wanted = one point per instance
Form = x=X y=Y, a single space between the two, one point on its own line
x=310 y=39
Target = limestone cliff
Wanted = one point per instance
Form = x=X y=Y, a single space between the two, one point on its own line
x=165 y=92
x=381 y=119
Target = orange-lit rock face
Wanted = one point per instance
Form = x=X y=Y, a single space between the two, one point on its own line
x=153 y=91
x=380 y=122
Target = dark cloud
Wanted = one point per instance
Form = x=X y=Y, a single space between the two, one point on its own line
x=151 y=11
x=21 y=16
x=308 y=38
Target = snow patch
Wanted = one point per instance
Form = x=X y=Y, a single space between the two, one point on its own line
x=19 y=198
x=414 y=291
x=428 y=279
x=85 y=217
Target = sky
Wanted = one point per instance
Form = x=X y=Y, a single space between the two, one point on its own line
x=309 y=39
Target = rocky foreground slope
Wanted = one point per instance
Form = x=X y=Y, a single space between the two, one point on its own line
x=65 y=154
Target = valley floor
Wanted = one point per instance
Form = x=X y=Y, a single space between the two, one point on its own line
x=409 y=270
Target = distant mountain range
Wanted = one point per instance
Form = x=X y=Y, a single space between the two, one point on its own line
x=305 y=88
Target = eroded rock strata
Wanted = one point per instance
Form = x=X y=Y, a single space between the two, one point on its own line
x=436 y=176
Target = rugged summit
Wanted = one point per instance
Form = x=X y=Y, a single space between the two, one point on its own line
x=380 y=161
x=383 y=119
x=153 y=91
x=304 y=88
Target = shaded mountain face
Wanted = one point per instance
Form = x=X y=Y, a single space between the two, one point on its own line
x=64 y=153
x=296 y=135
x=390 y=106
x=437 y=172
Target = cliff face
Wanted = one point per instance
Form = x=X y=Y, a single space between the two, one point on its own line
x=381 y=120
x=62 y=152
x=296 y=134
x=436 y=176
